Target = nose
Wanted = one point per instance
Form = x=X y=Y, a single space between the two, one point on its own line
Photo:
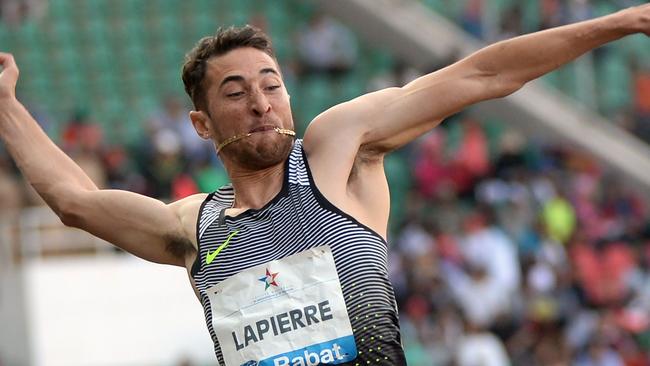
x=259 y=104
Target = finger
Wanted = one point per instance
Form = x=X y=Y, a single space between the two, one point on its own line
x=8 y=64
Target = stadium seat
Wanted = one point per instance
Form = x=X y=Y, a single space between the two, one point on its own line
x=125 y=55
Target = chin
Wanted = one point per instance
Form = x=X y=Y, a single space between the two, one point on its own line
x=261 y=152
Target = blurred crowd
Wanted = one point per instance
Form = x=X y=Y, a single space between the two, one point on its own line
x=505 y=250
x=519 y=252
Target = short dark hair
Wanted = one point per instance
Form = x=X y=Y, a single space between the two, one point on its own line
x=222 y=42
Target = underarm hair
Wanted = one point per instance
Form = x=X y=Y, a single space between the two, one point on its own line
x=364 y=158
x=178 y=246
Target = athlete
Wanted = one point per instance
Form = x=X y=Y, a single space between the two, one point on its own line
x=289 y=261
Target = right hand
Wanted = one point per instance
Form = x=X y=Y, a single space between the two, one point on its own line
x=8 y=76
x=638 y=18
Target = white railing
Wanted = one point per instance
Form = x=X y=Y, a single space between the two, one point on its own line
x=6 y=246
x=41 y=233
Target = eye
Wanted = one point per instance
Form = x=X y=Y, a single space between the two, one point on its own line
x=273 y=87
x=235 y=94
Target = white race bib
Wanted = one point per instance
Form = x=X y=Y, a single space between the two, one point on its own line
x=287 y=312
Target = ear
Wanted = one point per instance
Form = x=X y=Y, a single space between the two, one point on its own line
x=201 y=123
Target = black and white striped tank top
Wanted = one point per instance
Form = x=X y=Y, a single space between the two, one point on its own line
x=297 y=219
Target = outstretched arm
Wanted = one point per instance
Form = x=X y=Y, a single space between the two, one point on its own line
x=385 y=120
x=138 y=224
x=345 y=145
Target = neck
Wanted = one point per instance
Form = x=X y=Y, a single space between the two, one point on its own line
x=254 y=189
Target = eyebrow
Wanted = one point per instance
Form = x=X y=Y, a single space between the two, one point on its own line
x=230 y=78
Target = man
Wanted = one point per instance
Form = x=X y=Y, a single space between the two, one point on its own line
x=289 y=261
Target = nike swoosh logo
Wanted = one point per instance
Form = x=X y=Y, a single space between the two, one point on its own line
x=211 y=256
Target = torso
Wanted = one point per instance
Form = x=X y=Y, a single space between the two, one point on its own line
x=280 y=230
x=349 y=181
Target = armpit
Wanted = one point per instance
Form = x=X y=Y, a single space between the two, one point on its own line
x=178 y=246
x=365 y=159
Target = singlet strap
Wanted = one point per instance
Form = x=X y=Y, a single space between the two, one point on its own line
x=222 y=217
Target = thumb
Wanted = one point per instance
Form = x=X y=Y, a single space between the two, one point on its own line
x=9 y=73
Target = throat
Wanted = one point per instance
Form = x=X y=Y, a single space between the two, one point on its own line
x=256 y=189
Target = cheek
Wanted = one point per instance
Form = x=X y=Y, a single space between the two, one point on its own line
x=282 y=106
x=226 y=118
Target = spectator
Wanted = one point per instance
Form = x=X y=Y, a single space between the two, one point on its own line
x=481 y=348
x=326 y=47
x=485 y=244
x=599 y=353
x=83 y=140
x=478 y=293
x=11 y=193
x=559 y=219
x=173 y=117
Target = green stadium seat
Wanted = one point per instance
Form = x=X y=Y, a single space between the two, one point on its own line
x=381 y=61
x=101 y=56
x=603 y=7
x=210 y=177
x=301 y=9
x=122 y=56
x=315 y=97
x=350 y=87
x=96 y=32
x=279 y=19
x=132 y=10
x=399 y=178
x=169 y=25
x=134 y=54
x=104 y=92
x=64 y=31
x=439 y=6
x=636 y=48
x=203 y=24
x=100 y=9
x=531 y=15
x=618 y=81
x=27 y=35
x=60 y=10
x=168 y=7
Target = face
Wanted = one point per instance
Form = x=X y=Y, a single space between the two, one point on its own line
x=245 y=94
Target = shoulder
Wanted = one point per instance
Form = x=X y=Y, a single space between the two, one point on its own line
x=349 y=122
x=188 y=203
x=329 y=127
x=187 y=212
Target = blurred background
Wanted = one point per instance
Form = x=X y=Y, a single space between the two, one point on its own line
x=519 y=229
